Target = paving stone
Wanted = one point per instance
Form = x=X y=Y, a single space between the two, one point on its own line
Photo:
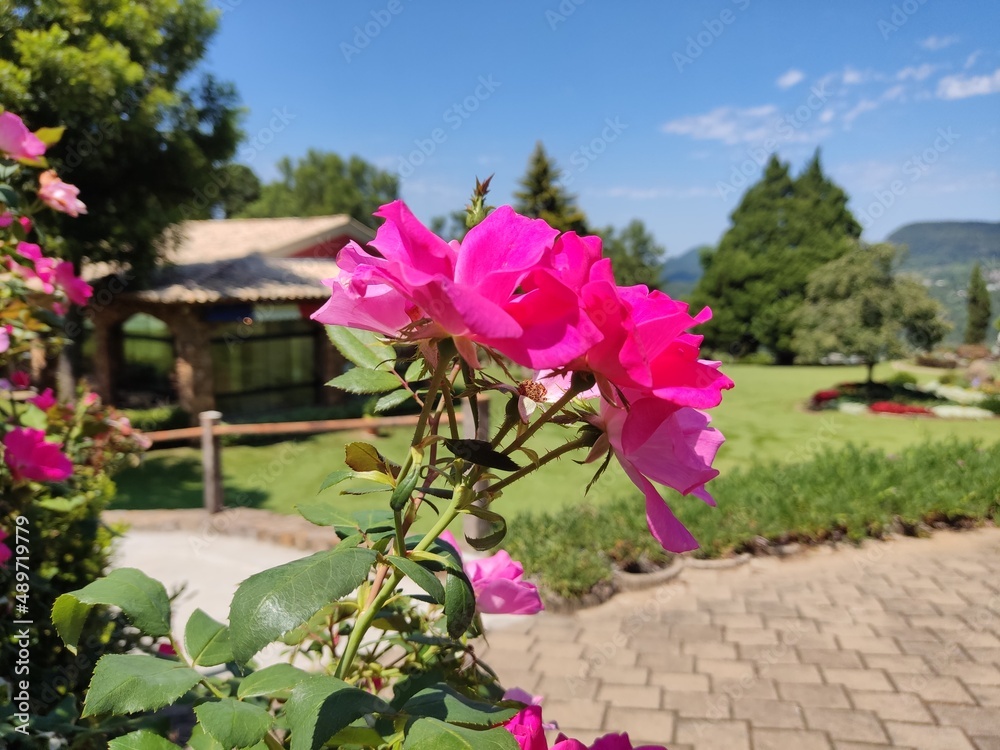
x=828 y=696
x=621 y=675
x=780 y=654
x=680 y=682
x=769 y=713
x=576 y=712
x=869 y=645
x=752 y=636
x=976 y=721
x=790 y=672
x=558 y=649
x=739 y=620
x=928 y=737
x=835 y=658
x=710 y=650
x=726 y=670
x=894 y=706
x=985 y=695
x=642 y=725
x=897 y=663
x=783 y=739
x=971 y=673
x=842 y=724
x=731 y=735
x=698 y=705
x=867 y=746
x=563 y=687
x=636 y=696
x=859 y=679
x=942 y=689
x=667 y=662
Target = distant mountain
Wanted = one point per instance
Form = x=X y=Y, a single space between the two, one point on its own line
x=943 y=254
x=942 y=244
x=681 y=273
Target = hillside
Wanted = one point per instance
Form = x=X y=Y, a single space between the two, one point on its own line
x=943 y=254
x=681 y=273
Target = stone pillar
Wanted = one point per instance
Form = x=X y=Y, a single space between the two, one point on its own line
x=193 y=366
x=107 y=355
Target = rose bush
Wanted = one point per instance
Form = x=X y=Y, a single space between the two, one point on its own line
x=383 y=669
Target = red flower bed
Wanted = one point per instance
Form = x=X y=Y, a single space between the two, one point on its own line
x=891 y=407
x=820 y=397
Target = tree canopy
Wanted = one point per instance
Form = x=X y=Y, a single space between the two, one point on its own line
x=977 y=301
x=323 y=183
x=858 y=305
x=542 y=196
x=635 y=255
x=139 y=143
x=782 y=229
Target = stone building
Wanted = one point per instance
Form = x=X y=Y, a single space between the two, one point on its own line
x=224 y=324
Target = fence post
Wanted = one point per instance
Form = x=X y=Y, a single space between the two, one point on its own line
x=211 y=462
x=472 y=526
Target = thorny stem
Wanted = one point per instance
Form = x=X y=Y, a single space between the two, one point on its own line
x=552 y=411
x=524 y=471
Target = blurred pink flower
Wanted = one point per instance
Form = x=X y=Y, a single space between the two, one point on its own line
x=5 y=553
x=90 y=399
x=618 y=742
x=44 y=400
x=16 y=141
x=5 y=332
x=657 y=440
x=78 y=290
x=529 y=731
x=20 y=379
x=59 y=195
x=498 y=585
x=39 y=275
x=30 y=457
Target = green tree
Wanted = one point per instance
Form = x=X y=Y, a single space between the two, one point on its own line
x=140 y=141
x=756 y=278
x=977 y=302
x=322 y=183
x=543 y=197
x=858 y=305
x=636 y=257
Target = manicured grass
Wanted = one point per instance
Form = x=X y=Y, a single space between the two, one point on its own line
x=762 y=418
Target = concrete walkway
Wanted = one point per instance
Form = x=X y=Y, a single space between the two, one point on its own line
x=895 y=644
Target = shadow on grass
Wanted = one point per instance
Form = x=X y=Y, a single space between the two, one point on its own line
x=171 y=482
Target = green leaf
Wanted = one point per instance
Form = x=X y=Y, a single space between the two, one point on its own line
x=9 y=196
x=207 y=640
x=420 y=576
x=269 y=604
x=407 y=483
x=125 y=684
x=364 y=457
x=50 y=136
x=496 y=522
x=143 y=600
x=415 y=369
x=362 y=348
x=335 y=477
x=444 y=703
x=141 y=740
x=433 y=734
x=321 y=706
x=459 y=603
x=233 y=723
x=61 y=504
x=275 y=681
x=392 y=400
x=358 y=380
x=482 y=453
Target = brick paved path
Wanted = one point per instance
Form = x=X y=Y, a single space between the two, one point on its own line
x=895 y=644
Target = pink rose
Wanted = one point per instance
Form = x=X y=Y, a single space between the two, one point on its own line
x=497 y=288
x=20 y=379
x=44 y=400
x=39 y=276
x=30 y=457
x=498 y=585
x=16 y=141
x=527 y=729
x=59 y=195
x=5 y=553
x=5 y=332
x=657 y=440
x=78 y=290
x=618 y=742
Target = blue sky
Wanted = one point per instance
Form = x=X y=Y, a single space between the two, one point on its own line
x=657 y=111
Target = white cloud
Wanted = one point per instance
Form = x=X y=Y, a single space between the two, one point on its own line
x=971 y=59
x=917 y=73
x=935 y=42
x=790 y=78
x=853 y=76
x=731 y=125
x=893 y=93
x=865 y=105
x=826 y=115
x=962 y=87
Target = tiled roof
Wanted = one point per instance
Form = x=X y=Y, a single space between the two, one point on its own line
x=250 y=279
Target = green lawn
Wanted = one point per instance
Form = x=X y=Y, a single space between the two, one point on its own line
x=762 y=419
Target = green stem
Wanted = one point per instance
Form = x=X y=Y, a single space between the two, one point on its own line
x=432 y=389
x=557 y=407
x=524 y=471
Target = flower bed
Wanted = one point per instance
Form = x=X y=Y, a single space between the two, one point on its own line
x=903 y=396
